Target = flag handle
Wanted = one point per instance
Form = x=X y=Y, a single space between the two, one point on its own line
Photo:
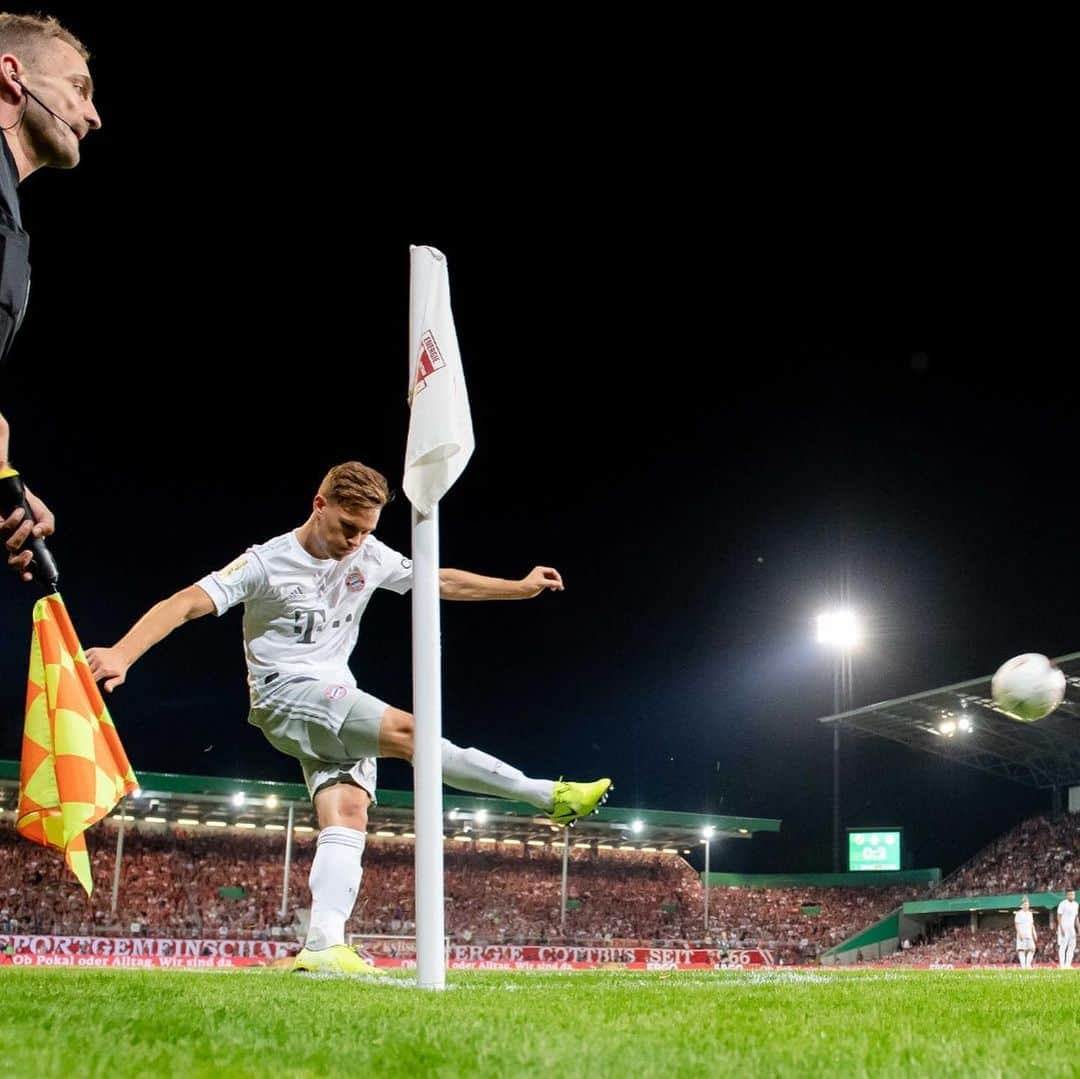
x=42 y=565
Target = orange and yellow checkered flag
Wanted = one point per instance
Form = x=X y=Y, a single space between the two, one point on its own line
x=74 y=769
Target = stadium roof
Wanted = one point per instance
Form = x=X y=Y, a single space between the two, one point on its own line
x=962 y=723
x=249 y=803
x=967 y=903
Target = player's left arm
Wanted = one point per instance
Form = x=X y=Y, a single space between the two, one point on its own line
x=460 y=584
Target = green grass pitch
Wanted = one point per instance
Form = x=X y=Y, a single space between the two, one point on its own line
x=578 y=1025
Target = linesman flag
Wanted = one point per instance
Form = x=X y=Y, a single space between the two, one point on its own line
x=440 y=424
x=74 y=769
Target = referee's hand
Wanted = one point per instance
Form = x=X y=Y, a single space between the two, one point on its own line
x=16 y=528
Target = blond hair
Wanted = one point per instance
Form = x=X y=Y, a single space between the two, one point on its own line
x=26 y=35
x=353 y=486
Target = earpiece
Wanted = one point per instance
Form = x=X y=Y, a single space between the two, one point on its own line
x=30 y=93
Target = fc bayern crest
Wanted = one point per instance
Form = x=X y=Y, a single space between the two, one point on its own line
x=355 y=582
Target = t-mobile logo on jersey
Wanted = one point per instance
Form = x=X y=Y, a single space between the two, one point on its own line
x=306 y=623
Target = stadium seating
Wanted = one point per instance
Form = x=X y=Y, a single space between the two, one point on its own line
x=1042 y=854
x=180 y=883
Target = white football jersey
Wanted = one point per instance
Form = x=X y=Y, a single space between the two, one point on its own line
x=301 y=613
x=1067 y=917
x=1025 y=924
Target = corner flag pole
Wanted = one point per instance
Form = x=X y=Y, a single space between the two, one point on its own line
x=439 y=446
x=427 y=755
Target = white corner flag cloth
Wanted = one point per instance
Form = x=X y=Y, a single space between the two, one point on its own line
x=440 y=425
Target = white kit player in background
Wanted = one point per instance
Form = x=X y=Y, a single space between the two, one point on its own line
x=1026 y=939
x=1066 y=923
x=304 y=593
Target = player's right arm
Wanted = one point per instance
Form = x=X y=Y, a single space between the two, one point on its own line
x=158 y=622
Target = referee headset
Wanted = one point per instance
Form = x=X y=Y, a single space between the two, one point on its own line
x=13 y=75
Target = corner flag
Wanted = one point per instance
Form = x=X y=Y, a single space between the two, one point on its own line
x=440 y=424
x=439 y=447
x=74 y=769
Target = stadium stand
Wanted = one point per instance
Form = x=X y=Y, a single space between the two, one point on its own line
x=961 y=945
x=797 y=924
x=179 y=883
x=200 y=883
x=1038 y=855
x=182 y=884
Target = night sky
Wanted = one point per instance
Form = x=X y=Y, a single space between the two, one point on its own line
x=714 y=388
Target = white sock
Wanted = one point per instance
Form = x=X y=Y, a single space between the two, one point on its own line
x=334 y=880
x=479 y=772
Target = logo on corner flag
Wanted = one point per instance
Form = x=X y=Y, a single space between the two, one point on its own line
x=429 y=362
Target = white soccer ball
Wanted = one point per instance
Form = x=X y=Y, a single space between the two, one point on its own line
x=1028 y=687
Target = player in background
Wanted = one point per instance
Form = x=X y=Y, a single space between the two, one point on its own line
x=1026 y=938
x=1066 y=927
x=304 y=593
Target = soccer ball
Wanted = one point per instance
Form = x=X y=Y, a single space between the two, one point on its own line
x=1028 y=687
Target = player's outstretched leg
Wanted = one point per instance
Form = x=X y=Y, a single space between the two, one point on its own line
x=480 y=773
x=474 y=770
x=574 y=800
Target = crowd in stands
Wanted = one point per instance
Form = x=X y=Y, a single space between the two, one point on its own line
x=498 y=894
x=960 y=945
x=194 y=883
x=782 y=919
x=171 y=885
x=1040 y=855
x=181 y=883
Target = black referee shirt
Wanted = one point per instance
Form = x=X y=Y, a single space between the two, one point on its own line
x=14 y=253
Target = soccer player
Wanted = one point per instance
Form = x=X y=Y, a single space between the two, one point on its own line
x=1066 y=926
x=1026 y=938
x=304 y=593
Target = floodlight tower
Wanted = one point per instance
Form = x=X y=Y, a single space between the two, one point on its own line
x=840 y=632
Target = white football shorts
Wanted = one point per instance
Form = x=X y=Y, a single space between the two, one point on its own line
x=330 y=728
